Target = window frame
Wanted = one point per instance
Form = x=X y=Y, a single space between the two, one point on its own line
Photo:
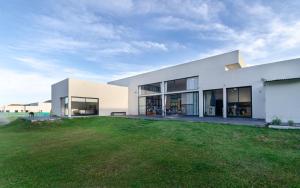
x=85 y=104
x=251 y=102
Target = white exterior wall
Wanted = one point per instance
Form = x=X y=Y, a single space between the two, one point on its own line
x=111 y=98
x=13 y=108
x=282 y=100
x=58 y=90
x=212 y=75
x=40 y=107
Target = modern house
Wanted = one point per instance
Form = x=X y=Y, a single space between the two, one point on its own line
x=72 y=97
x=221 y=85
x=31 y=107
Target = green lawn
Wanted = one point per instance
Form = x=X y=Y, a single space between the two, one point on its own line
x=120 y=152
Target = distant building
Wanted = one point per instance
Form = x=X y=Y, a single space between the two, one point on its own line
x=31 y=107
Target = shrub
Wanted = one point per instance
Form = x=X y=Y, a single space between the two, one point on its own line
x=291 y=123
x=276 y=121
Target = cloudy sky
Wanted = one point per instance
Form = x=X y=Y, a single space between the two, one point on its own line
x=42 y=42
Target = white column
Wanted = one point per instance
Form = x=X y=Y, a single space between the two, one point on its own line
x=163 y=101
x=200 y=98
x=224 y=103
x=200 y=102
x=69 y=106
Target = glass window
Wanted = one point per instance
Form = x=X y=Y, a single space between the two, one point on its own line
x=232 y=95
x=239 y=102
x=182 y=104
x=78 y=99
x=182 y=84
x=192 y=83
x=142 y=105
x=213 y=102
x=176 y=85
x=245 y=94
x=150 y=105
x=64 y=106
x=150 y=89
x=81 y=106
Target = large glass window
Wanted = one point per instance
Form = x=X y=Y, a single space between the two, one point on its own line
x=182 y=104
x=64 y=106
x=81 y=106
x=142 y=105
x=182 y=84
x=150 y=89
x=213 y=102
x=239 y=102
x=150 y=105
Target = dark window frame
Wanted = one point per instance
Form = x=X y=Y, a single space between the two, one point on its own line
x=161 y=105
x=251 y=102
x=186 y=78
x=98 y=110
x=204 y=102
x=140 y=89
x=197 y=103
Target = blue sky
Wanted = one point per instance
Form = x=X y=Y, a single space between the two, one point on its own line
x=42 y=42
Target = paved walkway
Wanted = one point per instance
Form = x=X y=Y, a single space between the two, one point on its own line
x=220 y=120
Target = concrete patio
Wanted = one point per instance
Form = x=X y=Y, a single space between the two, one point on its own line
x=220 y=120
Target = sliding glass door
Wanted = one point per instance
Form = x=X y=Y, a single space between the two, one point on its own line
x=150 y=105
x=213 y=102
x=186 y=104
x=239 y=102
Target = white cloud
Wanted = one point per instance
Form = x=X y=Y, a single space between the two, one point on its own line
x=36 y=64
x=266 y=36
x=24 y=87
x=150 y=45
x=202 y=9
x=116 y=6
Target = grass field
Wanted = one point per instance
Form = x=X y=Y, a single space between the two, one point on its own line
x=120 y=152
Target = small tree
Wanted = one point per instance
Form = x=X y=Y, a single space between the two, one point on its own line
x=291 y=123
x=276 y=121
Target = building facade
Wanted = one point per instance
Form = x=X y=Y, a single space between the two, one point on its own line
x=217 y=86
x=221 y=85
x=72 y=97
x=31 y=107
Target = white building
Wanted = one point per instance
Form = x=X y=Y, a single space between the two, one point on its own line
x=221 y=85
x=82 y=98
x=31 y=107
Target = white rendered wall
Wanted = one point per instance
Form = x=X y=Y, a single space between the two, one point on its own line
x=111 y=98
x=58 y=91
x=40 y=107
x=13 y=108
x=282 y=100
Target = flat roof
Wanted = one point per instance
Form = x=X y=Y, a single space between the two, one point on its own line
x=282 y=79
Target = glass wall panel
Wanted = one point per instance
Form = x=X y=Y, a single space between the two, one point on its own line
x=232 y=95
x=153 y=105
x=142 y=105
x=150 y=89
x=239 y=102
x=176 y=85
x=213 y=102
x=182 y=104
x=150 y=105
x=81 y=106
x=64 y=106
x=182 y=84
x=192 y=83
